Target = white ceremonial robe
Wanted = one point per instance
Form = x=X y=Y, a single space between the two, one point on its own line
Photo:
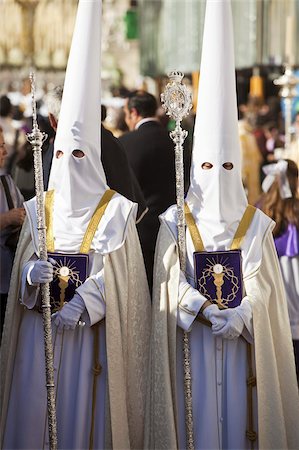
x=24 y=418
x=73 y=375
x=219 y=366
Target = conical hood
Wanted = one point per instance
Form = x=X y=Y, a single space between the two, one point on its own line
x=216 y=195
x=81 y=181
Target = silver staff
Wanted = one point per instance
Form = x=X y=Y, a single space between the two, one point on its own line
x=288 y=82
x=177 y=102
x=36 y=139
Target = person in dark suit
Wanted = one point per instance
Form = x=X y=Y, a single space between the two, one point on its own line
x=151 y=155
x=119 y=174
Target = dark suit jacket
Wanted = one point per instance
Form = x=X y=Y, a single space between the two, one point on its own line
x=151 y=155
x=119 y=174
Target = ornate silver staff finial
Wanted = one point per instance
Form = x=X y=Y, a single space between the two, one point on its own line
x=288 y=82
x=177 y=102
x=176 y=99
x=36 y=139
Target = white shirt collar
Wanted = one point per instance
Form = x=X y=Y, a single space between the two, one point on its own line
x=146 y=119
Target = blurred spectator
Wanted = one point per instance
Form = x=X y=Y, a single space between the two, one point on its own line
x=12 y=215
x=281 y=202
x=23 y=172
x=151 y=155
x=293 y=152
x=8 y=130
x=121 y=126
x=273 y=140
x=251 y=162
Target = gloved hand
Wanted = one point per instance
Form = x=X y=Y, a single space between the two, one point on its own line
x=212 y=313
x=234 y=324
x=68 y=317
x=41 y=272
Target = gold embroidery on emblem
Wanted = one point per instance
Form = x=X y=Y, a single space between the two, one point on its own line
x=65 y=272
x=219 y=271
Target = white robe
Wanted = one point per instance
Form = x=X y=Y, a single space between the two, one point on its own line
x=219 y=366
x=73 y=373
x=219 y=373
x=26 y=424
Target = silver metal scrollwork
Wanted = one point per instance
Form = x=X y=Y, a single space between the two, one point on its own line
x=177 y=102
x=36 y=139
x=288 y=82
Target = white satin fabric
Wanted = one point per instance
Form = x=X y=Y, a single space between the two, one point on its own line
x=251 y=246
x=80 y=182
x=69 y=232
x=216 y=196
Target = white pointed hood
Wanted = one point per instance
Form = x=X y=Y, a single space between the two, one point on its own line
x=216 y=196
x=79 y=183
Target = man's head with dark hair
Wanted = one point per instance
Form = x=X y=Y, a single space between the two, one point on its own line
x=5 y=106
x=144 y=103
x=139 y=105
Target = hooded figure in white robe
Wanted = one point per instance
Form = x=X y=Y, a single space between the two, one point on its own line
x=225 y=414
x=100 y=368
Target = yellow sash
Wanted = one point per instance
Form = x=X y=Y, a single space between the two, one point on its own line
x=236 y=245
x=92 y=226
x=239 y=235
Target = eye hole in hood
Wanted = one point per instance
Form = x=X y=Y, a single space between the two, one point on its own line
x=228 y=165
x=206 y=166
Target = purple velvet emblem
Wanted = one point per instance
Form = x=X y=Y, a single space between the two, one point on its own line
x=219 y=276
x=70 y=272
x=287 y=244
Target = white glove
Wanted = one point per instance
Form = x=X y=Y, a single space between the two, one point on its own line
x=212 y=313
x=234 y=324
x=68 y=317
x=41 y=272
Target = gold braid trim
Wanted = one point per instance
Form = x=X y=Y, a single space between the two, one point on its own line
x=236 y=244
x=239 y=234
x=243 y=227
x=92 y=226
x=194 y=231
x=49 y=202
x=97 y=368
x=95 y=220
x=85 y=247
x=251 y=383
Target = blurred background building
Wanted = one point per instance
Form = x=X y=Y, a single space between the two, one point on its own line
x=146 y=38
x=143 y=40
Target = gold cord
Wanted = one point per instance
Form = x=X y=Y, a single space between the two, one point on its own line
x=238 y=237
x=92 y=226
x=49 y=202
x=251 y=383
x=95 y=220
x=243 y=227
x=194 y=231
x=97 y=369
x=236 y=244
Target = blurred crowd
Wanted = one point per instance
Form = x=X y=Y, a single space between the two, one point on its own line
x=261 y=130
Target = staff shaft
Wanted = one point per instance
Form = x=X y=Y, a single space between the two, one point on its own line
x=36 y=139
x=179 y=135
x=177 y=103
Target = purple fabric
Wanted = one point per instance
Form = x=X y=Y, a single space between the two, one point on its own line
x=288 y=243
x=78 y=266
x=231 y=289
